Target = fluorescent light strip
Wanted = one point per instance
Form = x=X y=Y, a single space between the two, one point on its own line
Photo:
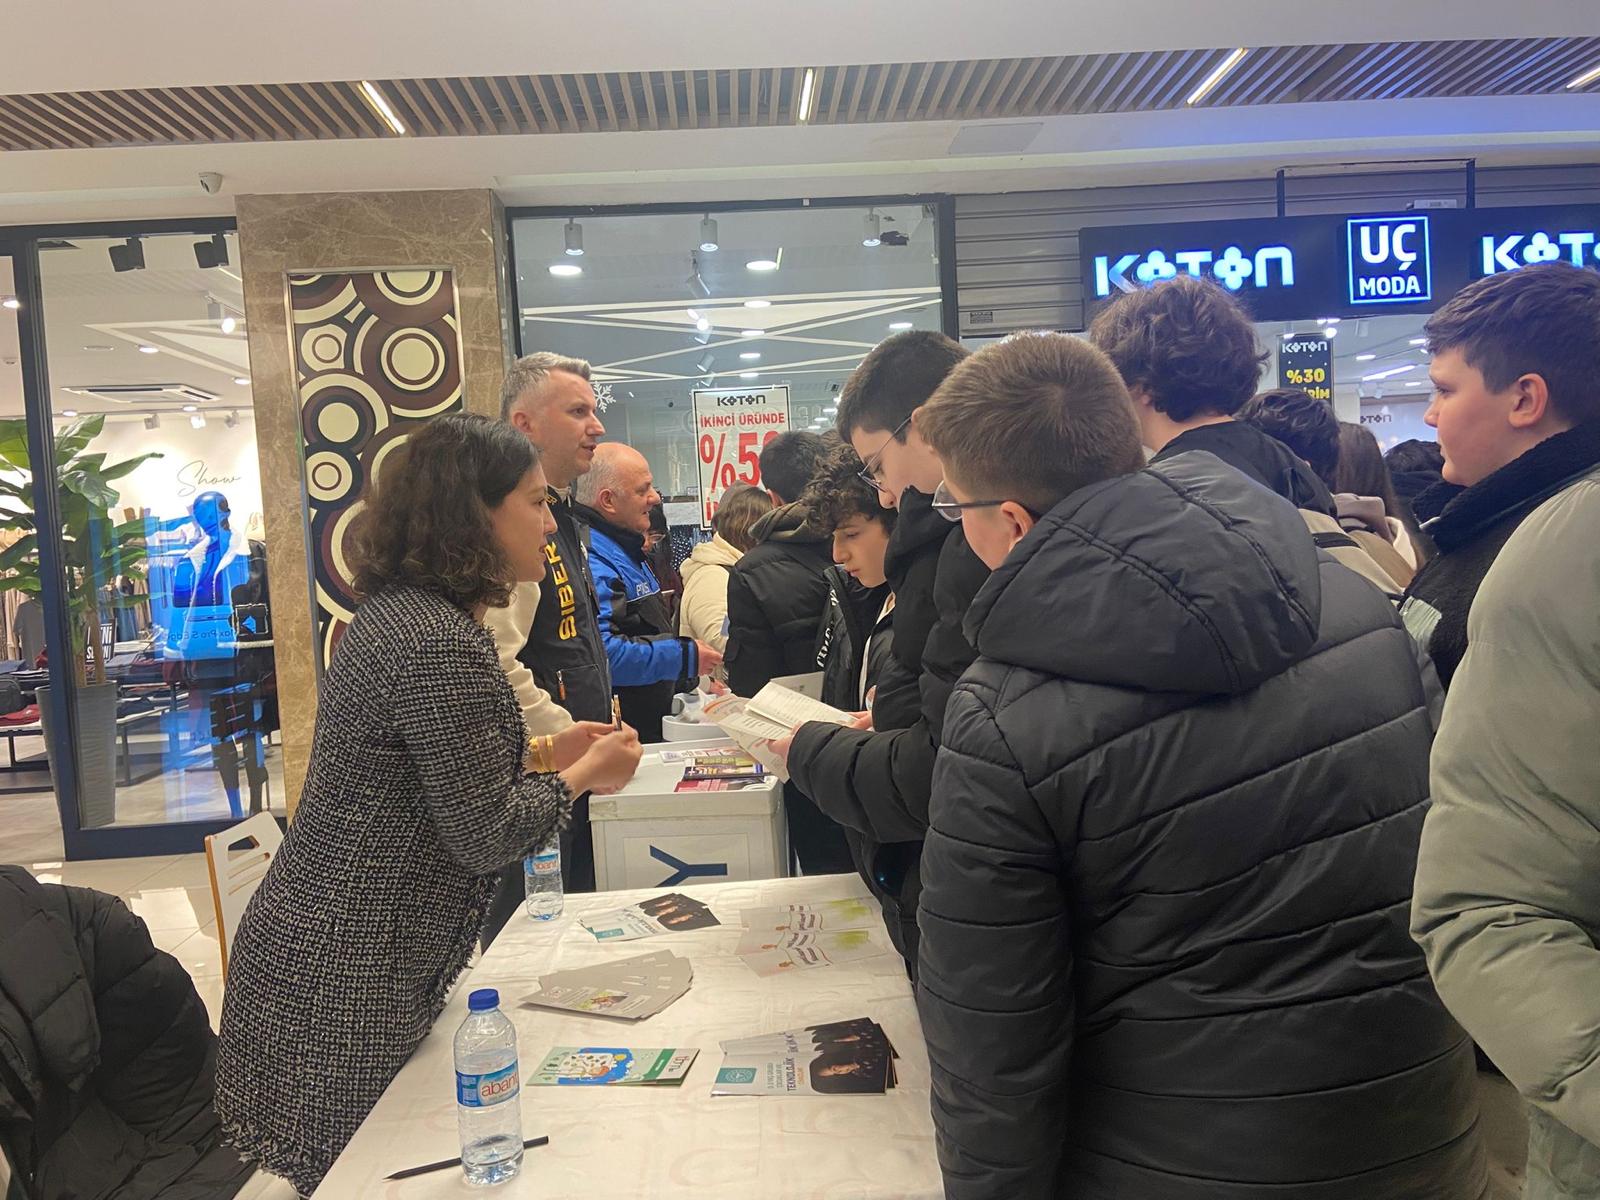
x=381 y=106
x=1217 y=75
x=803 y=113
x=1392 y=371
x=1585 y=79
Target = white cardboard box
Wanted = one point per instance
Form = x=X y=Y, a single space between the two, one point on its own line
x=649 y=836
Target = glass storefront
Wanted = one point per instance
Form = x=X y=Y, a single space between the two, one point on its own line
x=156 y=694
x=779 y=300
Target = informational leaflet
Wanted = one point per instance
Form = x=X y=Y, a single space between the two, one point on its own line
x=774 y=713
x=840 y=1058
x=832 y=915
x=672 y=913
x=784 y=953
x=632 y=989
x=592 y=1066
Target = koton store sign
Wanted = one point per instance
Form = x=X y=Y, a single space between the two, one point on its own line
x=731 y=427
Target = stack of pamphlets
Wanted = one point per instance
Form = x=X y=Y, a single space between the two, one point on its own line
x=672 y=913
x=722 y=771
x=590 y=1066
x=853 y=1058
x=773 y=714
x=633 y=989
x=800 y=937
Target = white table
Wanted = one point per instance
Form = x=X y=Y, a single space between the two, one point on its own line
x=670 y=1143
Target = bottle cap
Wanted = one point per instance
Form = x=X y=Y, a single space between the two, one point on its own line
x=483 y=1000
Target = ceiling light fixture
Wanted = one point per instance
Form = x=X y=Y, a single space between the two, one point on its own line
x=1414 y=383
x=749 y=374
x=873 y=235
x=231 y=420
x=1218 y=74
x=899 y=325
x=148 y=350
x=10 y=302
x=127 y=257
x=696 y=282
x=153 y=421
x=573 y=233
x=97 y=348
x=762 y=264
x=565 y=270
x=1392 y=371
x=1585 y=79
x=189 y=408
x=703 y=363
x=1287 y=334
x=758 y=303
x=750 y=355
x=211 y=253
x=1365 y=357
x=242 y=380
x=1421 y=341
x=198 y=421
x=69 y=412
x=703 y=325
x=751 y=332
x=1331 y=330
x=380 y=105
x=221 y=314
x=708 y=234
x=807 y=89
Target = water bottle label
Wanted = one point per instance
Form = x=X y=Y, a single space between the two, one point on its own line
x=546 y=864
x=481 y=1091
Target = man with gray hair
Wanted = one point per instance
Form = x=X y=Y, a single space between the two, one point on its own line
x=549 y=636
x=648 y=661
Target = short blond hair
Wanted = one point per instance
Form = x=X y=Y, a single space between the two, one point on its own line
x=1033 y=419
x=530 y=371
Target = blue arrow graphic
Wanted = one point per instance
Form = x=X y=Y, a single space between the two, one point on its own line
x=684 y=870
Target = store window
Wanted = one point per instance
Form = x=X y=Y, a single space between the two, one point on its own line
x=783 y=302
x=159 y=494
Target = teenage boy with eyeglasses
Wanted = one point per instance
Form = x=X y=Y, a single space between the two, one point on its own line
x=1173 y=831
x=875 y=781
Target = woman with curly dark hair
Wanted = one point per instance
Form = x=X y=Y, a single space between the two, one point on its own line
x=421 y=787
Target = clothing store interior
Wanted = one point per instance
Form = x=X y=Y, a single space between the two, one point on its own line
x=1046 y=561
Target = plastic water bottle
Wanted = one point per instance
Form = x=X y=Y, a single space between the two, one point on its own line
x=541 y=878
x=488 y=1100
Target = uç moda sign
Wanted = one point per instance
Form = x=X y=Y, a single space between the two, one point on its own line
x=731 y=426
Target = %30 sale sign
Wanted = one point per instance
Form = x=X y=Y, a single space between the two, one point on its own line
x=731 y=427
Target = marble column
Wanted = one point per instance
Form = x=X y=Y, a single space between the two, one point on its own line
x=279 y=234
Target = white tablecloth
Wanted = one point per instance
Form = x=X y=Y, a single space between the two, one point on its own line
x=610 y=1143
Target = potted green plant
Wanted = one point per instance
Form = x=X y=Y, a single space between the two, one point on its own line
x=94 y=550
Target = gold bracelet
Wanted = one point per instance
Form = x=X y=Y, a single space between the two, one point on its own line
x=539 y=755
x=549 y=752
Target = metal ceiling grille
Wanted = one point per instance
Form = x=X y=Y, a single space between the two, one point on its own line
x=745 y=98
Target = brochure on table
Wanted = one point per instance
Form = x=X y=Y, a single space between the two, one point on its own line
x=604 y=1066
x=672 y=913
x=839 y=1058
x=631 y=989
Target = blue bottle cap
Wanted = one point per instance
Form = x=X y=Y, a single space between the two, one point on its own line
x=483 y=1000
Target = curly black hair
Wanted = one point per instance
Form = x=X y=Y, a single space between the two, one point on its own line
x=1301 y=422
x=426 y=524
x=837 y=492
x=1187 y=343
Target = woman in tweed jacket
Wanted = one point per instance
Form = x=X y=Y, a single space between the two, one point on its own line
x=418 y=792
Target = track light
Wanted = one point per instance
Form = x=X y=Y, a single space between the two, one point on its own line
x=574 y=234
x=873 y=235
x=231 y=420
x=695 y=282
x=127 y=257
x=153 y=421
x=708 y=234
x=703 y=363
x=221 y=314
x=198 y=421
x=211 y=253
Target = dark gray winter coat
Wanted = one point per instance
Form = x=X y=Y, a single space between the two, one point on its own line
x=1168 y=871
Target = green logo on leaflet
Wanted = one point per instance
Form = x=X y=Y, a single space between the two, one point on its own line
x=736 y=1075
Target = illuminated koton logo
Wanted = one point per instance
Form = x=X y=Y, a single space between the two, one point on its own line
x=1389 y=260
x=1232 y=266
x=1580 y=247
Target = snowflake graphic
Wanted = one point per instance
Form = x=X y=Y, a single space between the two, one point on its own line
x=603 y=397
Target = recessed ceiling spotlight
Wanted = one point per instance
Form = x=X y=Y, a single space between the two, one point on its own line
x=242 y=380
x=762 y=264
x=872 y=234
x=1331 y=330
x=750 y=355
x=708 y=234
x=148 y=350
x=574 y=238
x=901 y=325
x=10 y=302
x=565 y=270
x=758 y=303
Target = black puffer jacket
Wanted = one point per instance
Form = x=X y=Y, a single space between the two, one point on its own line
x=877 y=783
x=107 y=1059
x=776 y=596
x=1260 y=456
x=1167 y=881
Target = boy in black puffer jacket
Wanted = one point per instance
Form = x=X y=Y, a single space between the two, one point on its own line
x=1167 y=877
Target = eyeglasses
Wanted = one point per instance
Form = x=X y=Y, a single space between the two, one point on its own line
x=869 y=469
x=948 y=507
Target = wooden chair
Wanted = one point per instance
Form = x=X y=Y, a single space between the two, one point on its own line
x=236 y=860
